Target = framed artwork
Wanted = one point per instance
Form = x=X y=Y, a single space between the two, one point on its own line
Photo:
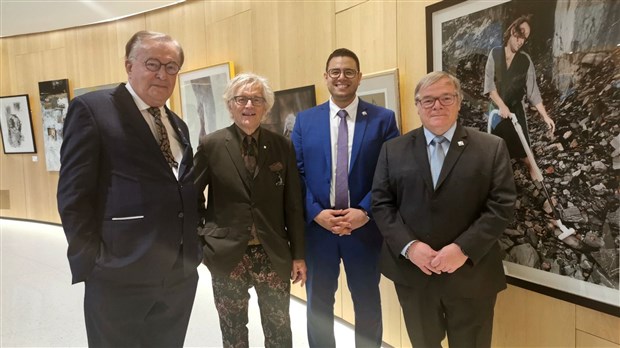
x=202 y=105
x=16 y=125
x=287 y=104
x=381 y=88
x=573 y=57
x=79 y=91
x=54 y=98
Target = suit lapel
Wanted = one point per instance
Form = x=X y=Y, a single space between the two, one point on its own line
x=324 y=128
x=133 y=116
x=264 y=148
x=457 y=146
x=361 y=120
x=234 y=151
x=420 y=156
x=187 y=158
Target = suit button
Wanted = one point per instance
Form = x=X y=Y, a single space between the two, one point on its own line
x=180 y=215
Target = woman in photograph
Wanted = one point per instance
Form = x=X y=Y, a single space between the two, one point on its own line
x=509 y=78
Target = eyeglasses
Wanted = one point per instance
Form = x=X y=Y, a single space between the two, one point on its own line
x=243 y=100
x=348 y=73
x=445 y=100
x=154 y=65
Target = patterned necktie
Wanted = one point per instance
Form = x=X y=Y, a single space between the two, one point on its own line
x=162 y=137
x=437 y=157
x=342 y=163
x=249 y=154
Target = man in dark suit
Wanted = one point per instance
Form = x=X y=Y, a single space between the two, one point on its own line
x=253 y=222
x=442 y=195
x=128 y=203
x=337 y=145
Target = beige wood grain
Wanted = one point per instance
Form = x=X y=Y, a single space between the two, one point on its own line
x=586 y=340
x=598 y=324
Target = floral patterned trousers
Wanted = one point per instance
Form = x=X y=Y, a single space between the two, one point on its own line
x=232 y=297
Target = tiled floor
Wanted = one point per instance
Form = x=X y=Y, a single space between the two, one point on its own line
x=40 y=308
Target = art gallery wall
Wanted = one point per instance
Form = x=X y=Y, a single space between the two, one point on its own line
x=287 y=42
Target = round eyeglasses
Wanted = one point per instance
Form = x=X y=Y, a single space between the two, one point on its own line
x=242 y=100
x=152 y=64
x=445 y=100
x=348 y=73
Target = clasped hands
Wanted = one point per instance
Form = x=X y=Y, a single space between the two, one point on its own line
x=448 y=259
x=341 y=221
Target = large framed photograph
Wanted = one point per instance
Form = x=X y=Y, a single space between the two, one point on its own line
x=287 y=104
x=381 y=88
x=16 y=125
x=562 y=66
x=54 y=98
x=202 y=105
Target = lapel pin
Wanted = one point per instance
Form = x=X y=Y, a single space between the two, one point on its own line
x=265 y=147
x=364 y=113
x=461 y=143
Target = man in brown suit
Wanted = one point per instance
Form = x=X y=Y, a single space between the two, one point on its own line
x=253 y=222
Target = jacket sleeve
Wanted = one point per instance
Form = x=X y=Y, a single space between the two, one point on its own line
x=77 y=188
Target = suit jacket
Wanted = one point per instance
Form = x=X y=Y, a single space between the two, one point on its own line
x=311 y=137
x=271 y=200
x=121 y=206
x=471 y=206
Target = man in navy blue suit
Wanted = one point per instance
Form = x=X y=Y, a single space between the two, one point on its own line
x=337 y=145
x=128 y=203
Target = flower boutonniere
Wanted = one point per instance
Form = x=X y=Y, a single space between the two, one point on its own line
x=276 y=168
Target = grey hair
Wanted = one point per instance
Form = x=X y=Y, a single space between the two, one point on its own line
x=138 y=38
x=435 y=76
x=249 y=79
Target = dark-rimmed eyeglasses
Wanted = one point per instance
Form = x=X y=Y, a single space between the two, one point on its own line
x=348 y=73
x=444 y=99
x=243 y=100
x=154 y=65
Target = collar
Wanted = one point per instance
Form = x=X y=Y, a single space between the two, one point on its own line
x=241 y=134
x=448 y=134
x=142 y=106
x=351 y=109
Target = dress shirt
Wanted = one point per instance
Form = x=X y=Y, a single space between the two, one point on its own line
x=445 y=147
x=334 y=123
x=175 y=142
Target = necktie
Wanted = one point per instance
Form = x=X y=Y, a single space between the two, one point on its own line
x=437 y=157
x=342 y=163
x=162 y=137
x=249 y=154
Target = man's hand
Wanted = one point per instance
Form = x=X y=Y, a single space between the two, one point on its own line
x=327 y=218
x=350 y=219
x=449 y=259
x=298 y=273
x=421 y=255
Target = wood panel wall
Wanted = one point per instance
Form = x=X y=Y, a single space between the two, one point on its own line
x=288 y=42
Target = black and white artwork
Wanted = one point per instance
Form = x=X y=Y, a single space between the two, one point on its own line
x=54 y=98
x=203 y=108
x=287 y=104
x=565 y=233
x=16 y=125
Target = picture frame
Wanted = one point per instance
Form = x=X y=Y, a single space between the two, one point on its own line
x=287 y=104
x=381 y=88
x=460 y=34
x=54 y=99
x=16 y=125
x=202 y=105
x=83 y=90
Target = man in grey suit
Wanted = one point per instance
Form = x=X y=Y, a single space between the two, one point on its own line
x=442 y=195
x=127 y=202
x=253 y=232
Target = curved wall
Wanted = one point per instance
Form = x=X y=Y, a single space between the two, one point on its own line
x=288 y=42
